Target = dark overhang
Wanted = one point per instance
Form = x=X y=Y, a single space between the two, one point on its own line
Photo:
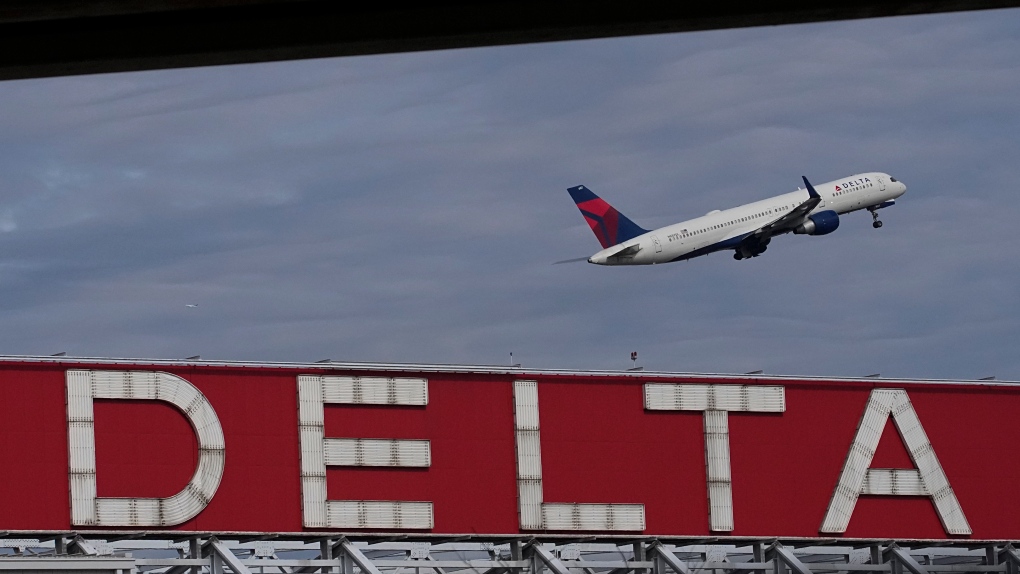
x=41 y=38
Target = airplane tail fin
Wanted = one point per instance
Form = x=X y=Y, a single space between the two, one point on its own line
x=610 y=226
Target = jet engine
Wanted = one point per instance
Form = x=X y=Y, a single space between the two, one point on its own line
x=820 y=223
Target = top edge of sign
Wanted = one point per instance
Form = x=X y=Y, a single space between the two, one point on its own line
x=331 y=365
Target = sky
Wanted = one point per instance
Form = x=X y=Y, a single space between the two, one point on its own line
x=409 y=207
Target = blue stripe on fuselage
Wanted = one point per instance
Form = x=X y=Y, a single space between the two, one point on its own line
x=730 y=243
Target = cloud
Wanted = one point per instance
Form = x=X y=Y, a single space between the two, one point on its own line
x=407 y=207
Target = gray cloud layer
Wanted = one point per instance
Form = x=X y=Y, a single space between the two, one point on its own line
x=408 y=207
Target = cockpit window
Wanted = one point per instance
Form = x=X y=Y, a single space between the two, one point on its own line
x=892 y=179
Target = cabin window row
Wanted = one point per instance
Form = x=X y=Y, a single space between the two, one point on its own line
x=740 y=220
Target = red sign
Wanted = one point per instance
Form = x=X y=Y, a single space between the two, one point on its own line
x=292 y=449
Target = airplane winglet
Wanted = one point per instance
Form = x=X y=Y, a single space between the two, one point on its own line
x=810 y=188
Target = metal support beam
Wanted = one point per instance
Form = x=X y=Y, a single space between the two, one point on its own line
x=61 y=564
x=547 y=555
x=1011 y=558
x=758 y=551
x=437 y=569
x=346 y=563
x=516 y=554
x=904 y=559
x=195 y=551
x=355 y=555
x=79 y=545
x=551 y=562
x=639 y=556
x=783 y=554
x=494 y=555
x=657 y=550
x=991 y=555
x=220 y=553
x=325 y=553
x=876 y=554
x=516 y=550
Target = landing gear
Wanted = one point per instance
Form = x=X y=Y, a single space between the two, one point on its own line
x=749 y=251
x=876 y=224
x=874 y=216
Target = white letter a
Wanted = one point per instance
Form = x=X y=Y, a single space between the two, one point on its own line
x=928 y=479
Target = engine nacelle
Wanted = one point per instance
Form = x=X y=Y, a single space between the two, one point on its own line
x=820 y=223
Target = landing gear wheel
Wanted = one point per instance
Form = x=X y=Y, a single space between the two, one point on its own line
x=876 y=224
x=874 y=216
x=738 y=256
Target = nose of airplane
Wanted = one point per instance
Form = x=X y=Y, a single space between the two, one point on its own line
x=900 y=186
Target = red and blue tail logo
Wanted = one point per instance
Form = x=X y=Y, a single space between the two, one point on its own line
x=609 y=225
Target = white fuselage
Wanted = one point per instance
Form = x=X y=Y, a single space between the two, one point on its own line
x=722 y=229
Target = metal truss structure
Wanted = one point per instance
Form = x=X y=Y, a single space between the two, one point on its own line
x=401 y=554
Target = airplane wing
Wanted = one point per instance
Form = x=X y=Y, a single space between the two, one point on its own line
x=790 y=218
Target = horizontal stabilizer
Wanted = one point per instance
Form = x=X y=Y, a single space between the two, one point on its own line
x=627 y=251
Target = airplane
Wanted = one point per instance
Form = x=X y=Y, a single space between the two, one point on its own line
x=747 y=229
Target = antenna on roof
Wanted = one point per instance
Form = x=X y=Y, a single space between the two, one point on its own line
x=60 y=354
x=873 y=375
x=633 y=358
x=195 y=358
x=324 y=361
x=991 y=378
x=758 y=372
